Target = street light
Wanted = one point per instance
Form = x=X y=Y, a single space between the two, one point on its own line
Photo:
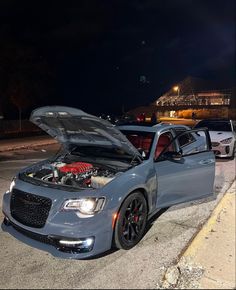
x=176 y=89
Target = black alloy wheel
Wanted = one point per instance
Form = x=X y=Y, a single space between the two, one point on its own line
x=131 y=222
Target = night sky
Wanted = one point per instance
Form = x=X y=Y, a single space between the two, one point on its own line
x=109 y=54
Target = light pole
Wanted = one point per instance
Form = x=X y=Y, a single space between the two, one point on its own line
x=176 y=89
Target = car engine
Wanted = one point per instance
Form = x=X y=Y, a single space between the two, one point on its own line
x=75 y=174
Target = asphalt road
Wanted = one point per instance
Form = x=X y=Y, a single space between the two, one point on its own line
x=142 y=267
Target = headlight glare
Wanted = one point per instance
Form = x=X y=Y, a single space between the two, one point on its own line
x=88 y=206
x=227 y=141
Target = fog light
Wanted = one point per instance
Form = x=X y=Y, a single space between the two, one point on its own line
x=89 y=242
x=81 y=245
x=70 y=243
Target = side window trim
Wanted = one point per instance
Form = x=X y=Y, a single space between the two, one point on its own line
x=176 y=146
x=184 y=131
x=208 y=140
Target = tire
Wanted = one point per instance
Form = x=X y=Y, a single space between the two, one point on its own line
x=131 y=222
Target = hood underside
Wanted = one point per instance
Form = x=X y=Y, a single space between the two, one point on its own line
x=71 y=126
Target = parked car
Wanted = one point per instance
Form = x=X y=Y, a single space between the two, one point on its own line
x=106 y=183
x=125 y=119
x=141 y=117
x=223 y=136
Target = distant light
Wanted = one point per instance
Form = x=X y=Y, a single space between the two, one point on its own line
x=49 y=113
x=142 y=79
x=176 y=88
x=63 y=113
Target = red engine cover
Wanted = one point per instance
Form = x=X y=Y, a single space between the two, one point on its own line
x=76 y=167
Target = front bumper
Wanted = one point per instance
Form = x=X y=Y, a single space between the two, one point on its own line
x=63 y=226
x=223 y=150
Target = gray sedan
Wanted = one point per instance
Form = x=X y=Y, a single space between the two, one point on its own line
x=104 y=185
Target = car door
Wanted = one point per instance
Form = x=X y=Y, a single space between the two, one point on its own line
x=189 y=177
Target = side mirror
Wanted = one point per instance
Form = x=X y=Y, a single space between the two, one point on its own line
x=172 y=155
x=142 y=152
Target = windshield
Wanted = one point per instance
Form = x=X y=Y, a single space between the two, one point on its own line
x=215 y=125
x=140 y=140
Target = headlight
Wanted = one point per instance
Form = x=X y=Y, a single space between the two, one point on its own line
x=87 y=206
x=12 y=185
x=227 y=141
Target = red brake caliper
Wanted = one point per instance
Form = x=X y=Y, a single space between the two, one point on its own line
x=136 y=218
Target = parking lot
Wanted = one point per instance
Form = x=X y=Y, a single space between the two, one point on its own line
x=142 y=267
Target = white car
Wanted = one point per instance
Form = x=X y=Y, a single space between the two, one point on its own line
x=223 y=136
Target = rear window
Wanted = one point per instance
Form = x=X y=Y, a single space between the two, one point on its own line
x=215 y=125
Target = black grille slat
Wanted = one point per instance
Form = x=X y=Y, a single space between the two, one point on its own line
x=47 y=239
x=30 y=209
x=37 y=237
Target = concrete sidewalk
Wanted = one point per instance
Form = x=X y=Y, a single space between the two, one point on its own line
x=27 y=142
x=209 y=260
x=216 y=251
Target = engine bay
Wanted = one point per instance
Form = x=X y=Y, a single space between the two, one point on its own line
x=79 y=175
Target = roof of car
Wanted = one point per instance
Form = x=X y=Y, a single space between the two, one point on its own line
x=155 y=128
x=135 y=123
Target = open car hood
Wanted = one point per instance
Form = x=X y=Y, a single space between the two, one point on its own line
x=72 y=126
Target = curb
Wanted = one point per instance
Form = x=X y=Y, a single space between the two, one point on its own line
x=19 y=147
x=184 y=271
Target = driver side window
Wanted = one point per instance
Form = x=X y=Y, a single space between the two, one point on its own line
x=163 y=140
